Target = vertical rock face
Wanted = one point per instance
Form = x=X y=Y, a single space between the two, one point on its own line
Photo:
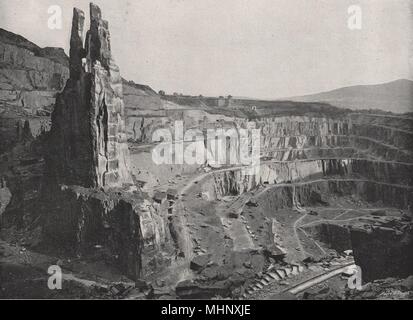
x=87 y=139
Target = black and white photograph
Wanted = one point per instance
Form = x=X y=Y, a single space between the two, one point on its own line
x=225 y=151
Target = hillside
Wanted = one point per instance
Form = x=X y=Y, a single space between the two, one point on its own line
x=395 y=96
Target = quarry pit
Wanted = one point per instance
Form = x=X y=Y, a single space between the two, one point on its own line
x=80 y=188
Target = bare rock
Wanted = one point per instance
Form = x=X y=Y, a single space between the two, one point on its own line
x=87 y=142
x=200 y=262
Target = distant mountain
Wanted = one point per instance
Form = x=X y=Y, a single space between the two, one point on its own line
x=395 y=96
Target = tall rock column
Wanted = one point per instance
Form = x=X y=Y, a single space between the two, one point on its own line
x=87 y=140
x=87 y=150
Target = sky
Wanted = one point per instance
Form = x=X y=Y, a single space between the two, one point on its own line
x=251 y=48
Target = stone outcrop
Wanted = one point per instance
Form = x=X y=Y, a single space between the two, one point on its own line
x=87 y=139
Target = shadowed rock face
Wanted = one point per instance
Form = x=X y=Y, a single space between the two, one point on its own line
x=87 y=140
x=383 y=249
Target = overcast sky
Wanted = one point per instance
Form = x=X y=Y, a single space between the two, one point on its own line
x=251 y=48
